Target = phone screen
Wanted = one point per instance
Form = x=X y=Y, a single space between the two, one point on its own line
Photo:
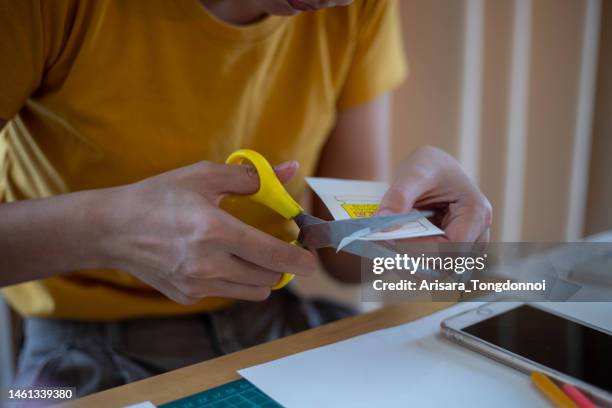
x=553 y=341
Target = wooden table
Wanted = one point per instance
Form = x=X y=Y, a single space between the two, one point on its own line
x=198 y=377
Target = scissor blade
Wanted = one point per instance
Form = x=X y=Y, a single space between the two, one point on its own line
x=330 y=233
x=370 y=249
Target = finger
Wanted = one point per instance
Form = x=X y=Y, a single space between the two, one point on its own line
x=286 y=170
x=482 y=243
x=234 y=290
x=170 y=290
x=243 y=179
x=465 y=225
x=485 y=237
x=403 y=194
x=434 y=239
x=262 y=249
x=247 y=273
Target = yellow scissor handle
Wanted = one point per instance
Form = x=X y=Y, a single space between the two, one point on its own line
x=271 y=193
x=286 y=277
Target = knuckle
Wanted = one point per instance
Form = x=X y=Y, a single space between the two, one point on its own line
x=486 y=209
x=415 y=173
x=194 y=270
x=279 y=258
x=250 y=171
x=210 y=229
x=489 y=214
x=204 y=167
x=312 y=261
x=395 y=198
x=427 y=150
x=308 y=262
x=249 y=176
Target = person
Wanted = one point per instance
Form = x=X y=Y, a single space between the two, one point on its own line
x=116 y=244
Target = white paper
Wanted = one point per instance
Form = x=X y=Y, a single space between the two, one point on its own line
x=357 y=198
x=144 y=404
x=407 y=365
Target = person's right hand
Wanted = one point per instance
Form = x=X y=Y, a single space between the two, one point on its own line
x=169 y=232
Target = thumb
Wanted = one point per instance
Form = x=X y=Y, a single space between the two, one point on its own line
x=402 y=195
x=243 y=179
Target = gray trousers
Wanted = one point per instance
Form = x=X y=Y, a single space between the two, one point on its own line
x=93 y=356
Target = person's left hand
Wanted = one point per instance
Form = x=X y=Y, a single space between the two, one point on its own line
x=430 y=179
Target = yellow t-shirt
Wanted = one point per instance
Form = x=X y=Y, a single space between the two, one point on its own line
x=107 y=92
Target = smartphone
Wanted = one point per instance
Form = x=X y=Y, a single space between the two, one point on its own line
x=530 y=338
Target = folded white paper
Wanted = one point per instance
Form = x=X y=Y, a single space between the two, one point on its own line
x=356 y=199
x=409 y=365
x=144 y=404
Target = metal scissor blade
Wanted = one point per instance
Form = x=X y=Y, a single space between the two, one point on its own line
x=330 y=233
x=370 y=249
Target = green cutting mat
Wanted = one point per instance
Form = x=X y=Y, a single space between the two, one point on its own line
x=235 y=394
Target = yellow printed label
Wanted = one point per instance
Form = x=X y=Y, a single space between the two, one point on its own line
x=360 y=210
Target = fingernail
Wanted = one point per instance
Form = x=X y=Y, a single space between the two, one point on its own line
x=286 y=165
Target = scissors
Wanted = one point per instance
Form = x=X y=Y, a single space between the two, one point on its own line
x=316 y=233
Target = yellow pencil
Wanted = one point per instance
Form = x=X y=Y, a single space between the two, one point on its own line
x=551 y=391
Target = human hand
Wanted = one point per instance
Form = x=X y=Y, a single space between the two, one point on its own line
x=430 y=179
x=169 y=232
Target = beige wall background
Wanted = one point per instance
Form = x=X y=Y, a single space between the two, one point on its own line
x=520 y=91
x=599 y=208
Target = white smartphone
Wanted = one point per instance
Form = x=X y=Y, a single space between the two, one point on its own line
x=530 y=338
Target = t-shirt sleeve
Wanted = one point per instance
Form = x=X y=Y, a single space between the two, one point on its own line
x=378 y=63
x=21 y=53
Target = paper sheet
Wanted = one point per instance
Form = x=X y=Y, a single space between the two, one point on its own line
x=407 y=365
x=144 y=404
x=356 y=198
